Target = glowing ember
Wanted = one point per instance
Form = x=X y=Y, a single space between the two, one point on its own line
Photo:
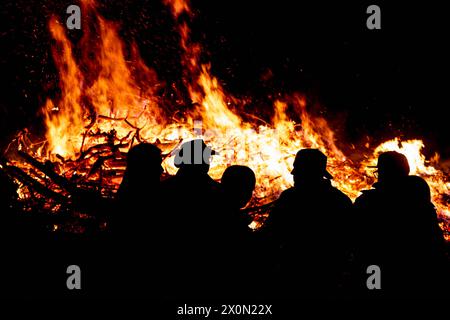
x=112 y=99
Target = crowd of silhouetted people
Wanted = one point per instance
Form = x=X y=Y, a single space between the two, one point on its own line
x=191 y=232
x=188 y=237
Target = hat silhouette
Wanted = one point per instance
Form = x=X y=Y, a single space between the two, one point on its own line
x=393 y=162
x=311 y=160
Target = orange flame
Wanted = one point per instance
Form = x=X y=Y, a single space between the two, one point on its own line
x=178 y=7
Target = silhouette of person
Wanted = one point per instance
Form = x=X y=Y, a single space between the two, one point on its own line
x=191 y=198
x=424 y=216
x=238 y=183
x=401 y=233
x=194 y=189
x=138 y=225
x=143 y=172
x=309 y=225
x=139 y=191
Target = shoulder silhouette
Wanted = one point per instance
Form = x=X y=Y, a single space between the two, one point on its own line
x=311 y=196
x=234 y=234
x=401 y=232
x=137 y=227
x=143 y=172
x=139 y=193
x=383 y=203
x=310 y=221
x=191 y=198
x=238 y=184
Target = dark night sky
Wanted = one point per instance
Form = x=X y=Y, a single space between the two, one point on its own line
x=379 y=83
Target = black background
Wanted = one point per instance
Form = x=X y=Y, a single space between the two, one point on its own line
x=370 y=83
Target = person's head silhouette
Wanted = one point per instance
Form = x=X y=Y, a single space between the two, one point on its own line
x=238 y=182
x=392 y=166
x=418 y=189
x=194 y=157
x=310 y=165
x=144 y=163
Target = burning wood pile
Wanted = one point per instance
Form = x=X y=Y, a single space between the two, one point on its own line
x=111 y=100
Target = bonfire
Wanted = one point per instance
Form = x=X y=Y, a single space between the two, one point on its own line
x=112 y=100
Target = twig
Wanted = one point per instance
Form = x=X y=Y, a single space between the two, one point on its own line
x=27 y=180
